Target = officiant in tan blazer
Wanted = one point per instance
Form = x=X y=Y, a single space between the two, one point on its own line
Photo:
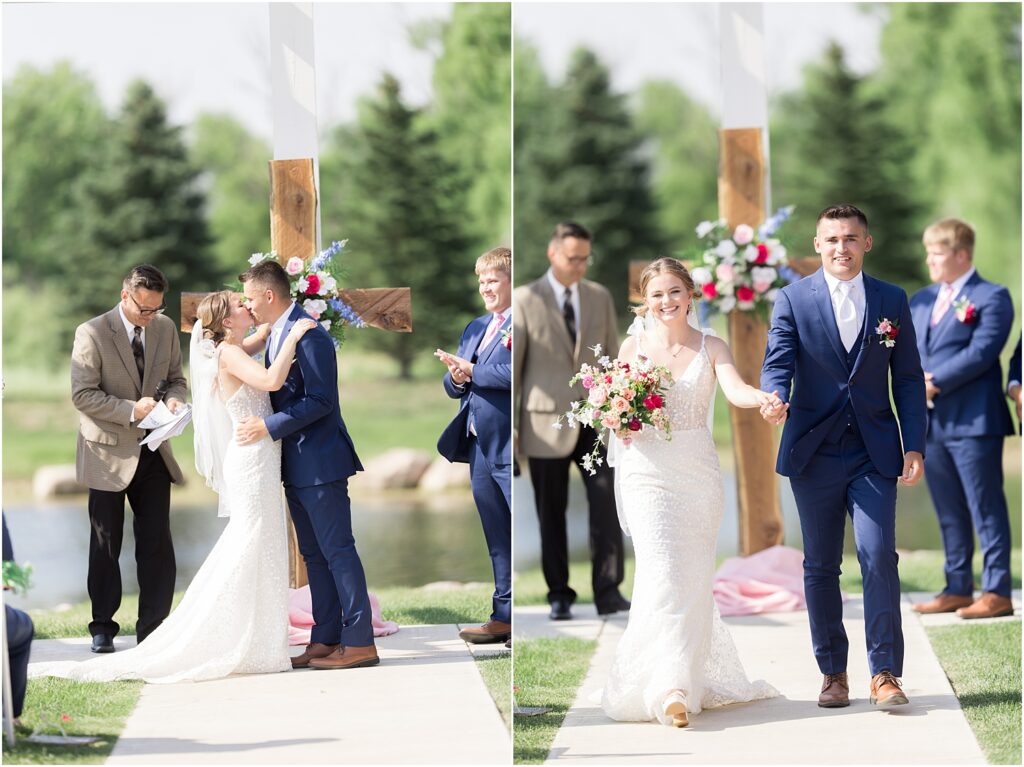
x=555 y=320
x=118 y=360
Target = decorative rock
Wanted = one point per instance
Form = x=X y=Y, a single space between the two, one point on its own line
x=444 y=476
x=398 y=468
x=52 y=481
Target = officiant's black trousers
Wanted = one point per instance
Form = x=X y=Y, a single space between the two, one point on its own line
x=149 y=494
x=550 y=478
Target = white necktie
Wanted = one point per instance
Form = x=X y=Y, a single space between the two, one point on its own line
x=846 y=315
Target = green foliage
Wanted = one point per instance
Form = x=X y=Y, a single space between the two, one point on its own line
x=142 y=204
x=833 y=142
x=54 y=130
x=582 y=160
x=236 y=164
x=472 y=99
x=401 y=206
x=28 y=340
x=685 y=165
x=17 y=577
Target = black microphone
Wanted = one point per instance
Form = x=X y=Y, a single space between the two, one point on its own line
x=161 y=389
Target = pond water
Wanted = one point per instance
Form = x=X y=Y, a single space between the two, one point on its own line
x=401 y=541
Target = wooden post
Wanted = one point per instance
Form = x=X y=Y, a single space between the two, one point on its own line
x=741 y=201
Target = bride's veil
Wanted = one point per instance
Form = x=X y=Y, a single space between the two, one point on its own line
x=211 y=423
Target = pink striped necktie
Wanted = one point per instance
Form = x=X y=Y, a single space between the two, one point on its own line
x=942 y=304
x=492 y=330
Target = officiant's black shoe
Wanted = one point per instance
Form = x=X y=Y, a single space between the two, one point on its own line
x=102 y=643
x=560 y=610
x=490 y=632
x=348 y=657
x=313 y=650
x=618 y=604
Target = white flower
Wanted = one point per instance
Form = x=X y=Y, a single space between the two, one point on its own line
x=302 y=284
x=750 y=253
x=596 y=349
x=557 y=425
x=704 y=228
x=255 y=258
x=605 y=361
x=314 y=307
x=772 y=294
x=763 y=274
x=776 y=252
x=726 y=248
x=328 y=284
x=326 y=324
x=701 y=275
x=745 y=306
x=726 y=304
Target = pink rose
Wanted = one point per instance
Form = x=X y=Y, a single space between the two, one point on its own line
x=598 y=396
x=610 y=421
x=295 y=265
x=628 y=394
x=762 y=287
x=725 y=272
x=743 y=235
x=620 y=405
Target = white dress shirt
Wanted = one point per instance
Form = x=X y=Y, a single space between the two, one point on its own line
x=559 y=290
x=129 y=327
x=957 y=284
x=857 y=296
x=274 y=342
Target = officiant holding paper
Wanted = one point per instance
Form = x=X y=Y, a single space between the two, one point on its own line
x=118 y=361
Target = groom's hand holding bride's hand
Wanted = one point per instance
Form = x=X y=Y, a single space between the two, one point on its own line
x=773 y=409
x=913 y=468
x=250 y=429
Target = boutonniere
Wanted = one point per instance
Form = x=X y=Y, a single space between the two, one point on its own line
x=506 y=338
x=966 y=312
x=887 y=330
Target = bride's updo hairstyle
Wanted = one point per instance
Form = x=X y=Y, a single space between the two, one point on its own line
x=212 y=312
x=671 y=266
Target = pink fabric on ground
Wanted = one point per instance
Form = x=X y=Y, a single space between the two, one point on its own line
x=768 y=581
x=300 y=617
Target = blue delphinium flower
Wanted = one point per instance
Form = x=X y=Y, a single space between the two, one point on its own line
x=346 y=313
x=769 y=227
x=328 y=255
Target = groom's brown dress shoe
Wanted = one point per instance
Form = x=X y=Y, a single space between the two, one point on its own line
x=313 y=650
x=988 y=605
x=885 y=690
x=490 y=632
x=943 y=603
x=835 y=691
x=348 y=657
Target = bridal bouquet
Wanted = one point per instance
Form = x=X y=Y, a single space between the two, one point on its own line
x=739 y=269
x=622 y=398
x=315 y=289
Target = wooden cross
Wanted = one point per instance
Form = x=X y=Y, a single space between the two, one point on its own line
x=294 y=185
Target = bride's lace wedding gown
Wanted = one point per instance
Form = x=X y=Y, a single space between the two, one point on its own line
x=233 y=619
x=672 y=500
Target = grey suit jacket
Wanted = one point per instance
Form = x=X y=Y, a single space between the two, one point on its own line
x=544 y=359
x=104 y=388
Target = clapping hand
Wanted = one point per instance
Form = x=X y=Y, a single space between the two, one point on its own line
x=773 y=409
x=461 y=370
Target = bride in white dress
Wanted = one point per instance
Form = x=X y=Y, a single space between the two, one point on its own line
x=233 y=619
x=676 y=657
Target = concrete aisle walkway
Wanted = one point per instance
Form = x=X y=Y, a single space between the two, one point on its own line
x=790 y=729
x=424 y=704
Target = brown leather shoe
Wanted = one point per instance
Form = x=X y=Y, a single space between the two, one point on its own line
x=492 y=631
x=988 y=605
x=835 y=691
x=348 y=657
x=886 y=691
x=313 y=650
x=943 y=603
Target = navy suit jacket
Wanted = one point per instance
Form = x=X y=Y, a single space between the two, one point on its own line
x=315 y=446
x=804 y=349
x=963 y=359
x=1013 y=371
x=487 y=397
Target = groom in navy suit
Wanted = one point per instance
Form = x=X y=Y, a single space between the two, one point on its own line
x=835 y=337
x=480 y=376
x=317 y=458
x=962 y=323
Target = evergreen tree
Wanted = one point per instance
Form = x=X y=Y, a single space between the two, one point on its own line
x=588 y=166
x=140 y=205
x=833 y=142
x=401 y=208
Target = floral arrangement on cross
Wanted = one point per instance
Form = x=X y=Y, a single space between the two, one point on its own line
x=314 y=287
x=739 y=269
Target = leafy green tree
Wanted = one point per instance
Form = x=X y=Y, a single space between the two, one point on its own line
x=400 y=203
x=685 y=160
x=586 y=162
x=834 y=142
x=239 y=187
x=54 y=129
x=141 y=204
x=471 y=114
x=952 y=75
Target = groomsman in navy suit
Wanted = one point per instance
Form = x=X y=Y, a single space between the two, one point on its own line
x=480 y=376
x=836 y=336
x=962 y=323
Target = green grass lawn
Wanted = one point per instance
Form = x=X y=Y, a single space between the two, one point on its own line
x=547 y=672
x=496 y=671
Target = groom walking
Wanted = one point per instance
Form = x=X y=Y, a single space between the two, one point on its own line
x=835 y=337
x=317 y=458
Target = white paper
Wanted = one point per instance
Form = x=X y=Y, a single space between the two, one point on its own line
x=164 y=424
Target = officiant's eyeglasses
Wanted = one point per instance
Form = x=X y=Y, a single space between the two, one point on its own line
x=147 y=312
